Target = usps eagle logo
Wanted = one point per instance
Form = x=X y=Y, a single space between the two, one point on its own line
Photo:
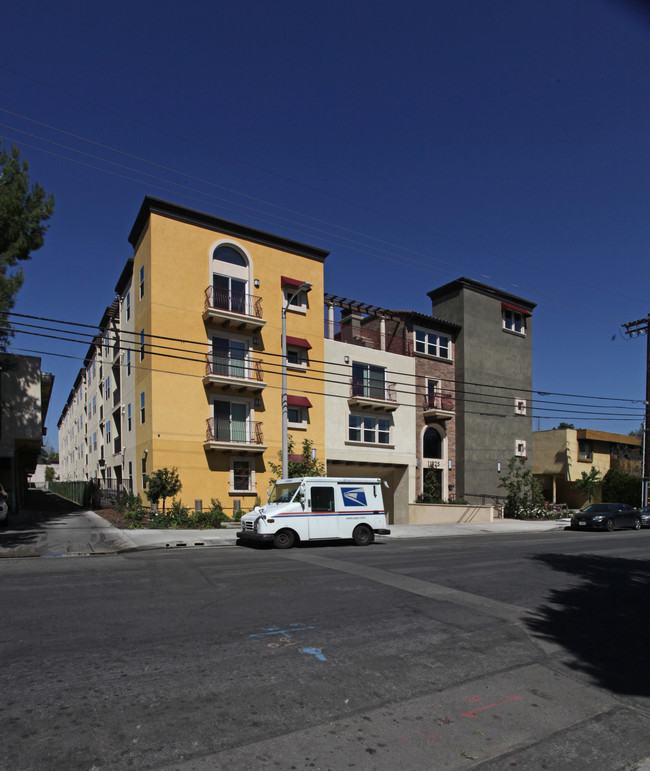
x=354 y=496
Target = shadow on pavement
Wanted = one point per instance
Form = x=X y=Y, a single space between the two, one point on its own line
x=41 y=509
x=604 y=621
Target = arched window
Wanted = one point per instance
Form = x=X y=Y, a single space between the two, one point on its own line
x=230 y=276
x=229 y=255
x=431 y=444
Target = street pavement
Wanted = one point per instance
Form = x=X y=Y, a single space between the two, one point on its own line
x=50 y=526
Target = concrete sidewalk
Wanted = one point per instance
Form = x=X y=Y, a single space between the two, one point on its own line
x=50 y=526
x=167 y=539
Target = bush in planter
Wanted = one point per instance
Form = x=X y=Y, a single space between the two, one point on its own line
x=133 y=509
x=211 y=519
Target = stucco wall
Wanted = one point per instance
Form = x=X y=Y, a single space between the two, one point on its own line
x=432 y=514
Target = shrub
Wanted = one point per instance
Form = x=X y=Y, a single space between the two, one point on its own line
x=524 y=498
x=133 y=509
x=237 y=515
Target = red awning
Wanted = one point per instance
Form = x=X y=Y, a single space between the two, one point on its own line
x=516 y=308
x=286 y=281
x=298 y=401
x=298 y=342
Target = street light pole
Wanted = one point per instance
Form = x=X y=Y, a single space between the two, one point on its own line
x=634 y=329
x=304 y=287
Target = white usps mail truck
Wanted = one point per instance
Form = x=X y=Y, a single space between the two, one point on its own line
x=318 y=508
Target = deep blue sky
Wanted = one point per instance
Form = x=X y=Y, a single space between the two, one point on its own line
x=503 y=140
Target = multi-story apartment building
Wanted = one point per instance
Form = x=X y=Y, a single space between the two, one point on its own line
x=398 y=422
x=494 y=380
x=560 y=455
x=186 y=371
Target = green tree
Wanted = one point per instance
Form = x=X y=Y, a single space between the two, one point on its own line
x=524 y=497
x=431 y=492
x=49 y=474
x=619 y=487
x=23 y=212
x=300 y=465
x=163 y=483
x=588 y=483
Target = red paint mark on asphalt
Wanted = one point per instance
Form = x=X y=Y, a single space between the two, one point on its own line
x=473 y=712
x=473 y=698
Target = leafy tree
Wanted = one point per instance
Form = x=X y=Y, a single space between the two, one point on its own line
x=430 y=487
x=565 y=425
x=48 y=454
x=524 y=497
x=300 y=465
x=619 y=487
x=163 y=483
x=588 y=483
x=637 y=432
x=23 y=212
x=49 y=474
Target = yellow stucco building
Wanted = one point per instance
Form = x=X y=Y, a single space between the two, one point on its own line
x=562 y=454
x=189 y=370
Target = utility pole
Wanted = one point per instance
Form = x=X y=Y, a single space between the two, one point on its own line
x=636 y=329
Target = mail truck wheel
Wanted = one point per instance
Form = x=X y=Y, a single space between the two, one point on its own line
x=362 y=535
x=284 y=539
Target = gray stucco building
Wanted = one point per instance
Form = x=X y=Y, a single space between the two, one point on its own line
x=494 y=376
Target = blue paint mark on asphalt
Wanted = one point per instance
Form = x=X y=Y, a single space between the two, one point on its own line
x=270 y=630
x=315 y=652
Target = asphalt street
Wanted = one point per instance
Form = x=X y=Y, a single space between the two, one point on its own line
x=490 y=650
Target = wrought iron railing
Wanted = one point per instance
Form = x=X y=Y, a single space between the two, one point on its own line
x=382 y=391
x=439 y=401
x=368 y=338
x=223 y=430
x=232 y=366
x=235 y=302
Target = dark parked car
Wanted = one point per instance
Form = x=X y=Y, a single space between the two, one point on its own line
x=645 y=516
x=606 y=516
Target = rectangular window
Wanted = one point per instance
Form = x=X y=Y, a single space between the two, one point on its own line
x=128 y=416
x=520 y=448
x=108 y=432
x=128 y=361
x=368 y=429
x=294 y=414
x=368 y=381
x=229 y=357
x=432 y=344
x=143 y=467
x=95 y=441
x=142 y=282
x=230 y=421
x=128 y=305
x=585 y=449
x=142 y=415
x=322 y=499
x=107 y=387
x=520 y=406
x=242 y=476
x=141 y=344
x=514 y=321
x=94 y=408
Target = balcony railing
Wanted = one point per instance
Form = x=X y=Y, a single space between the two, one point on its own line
x=438 y=405
x=233 y=432
x=233 y=302
x=367 y=338
x=378 y=396
x=226 y=365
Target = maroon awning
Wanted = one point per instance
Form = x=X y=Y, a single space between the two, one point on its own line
x=286 y=281
x=516 y=308
x=298 y=342
x=298 y=401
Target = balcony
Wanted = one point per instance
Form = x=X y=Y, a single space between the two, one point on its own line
x=231 y=436
x=439 y=406
x=367 y=338
x=225 y=372
x=376 y=396
x=234 y=310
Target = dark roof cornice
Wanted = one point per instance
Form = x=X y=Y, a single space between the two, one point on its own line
x=476 y=286
x=173 y=211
